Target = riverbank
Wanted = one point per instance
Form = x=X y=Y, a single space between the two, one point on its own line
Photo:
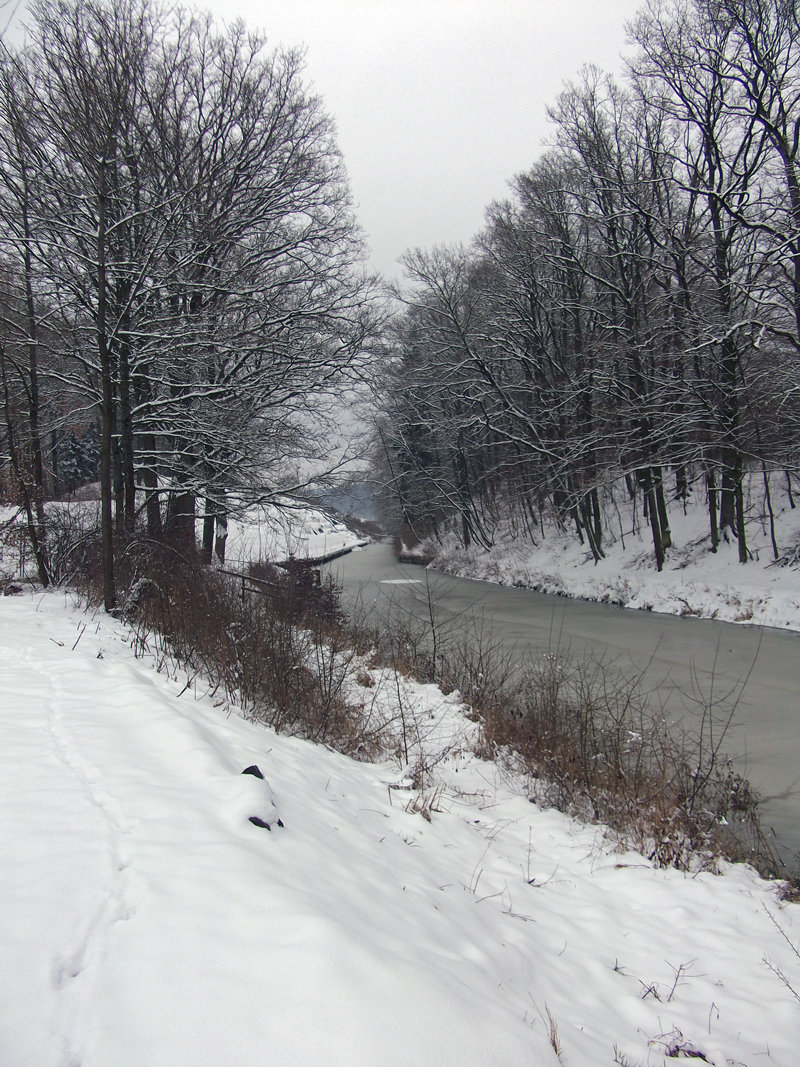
x=694 y=582
x=268 y=532
x=291 y=531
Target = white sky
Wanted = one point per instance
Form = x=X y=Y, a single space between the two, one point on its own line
x=438 y=103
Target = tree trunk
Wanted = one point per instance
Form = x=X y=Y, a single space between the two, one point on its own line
x=222 y=534
x=209 y=520
x=126 y=450
x=711 y=489
x=116 y=473
x=652 y=512
x=155 y=529
x=771 y=512
x=33 y=374
x=578 y=526
x=661 y=504
x=465 y=532
x=727 y=506
x=739 y=498
x=681 y=485
x=589 y=527
x=27 y=499
x=106 y=405
x=181 y=518
x=598 y=525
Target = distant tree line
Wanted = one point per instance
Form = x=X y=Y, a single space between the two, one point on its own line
x=631 y=314
x=180 y=267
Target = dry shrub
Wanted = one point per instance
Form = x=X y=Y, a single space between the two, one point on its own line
x=267 y=642
x=403 y=645
x=408 y=547
x=73 y=542
x=300 y=595
x=591 y=740
x=15 y=547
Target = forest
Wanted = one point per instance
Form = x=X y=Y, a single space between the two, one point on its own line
x=185 y=308
x=183 y=291
x=627 y=324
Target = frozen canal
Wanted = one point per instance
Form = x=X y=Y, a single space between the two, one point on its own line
x=676 y=654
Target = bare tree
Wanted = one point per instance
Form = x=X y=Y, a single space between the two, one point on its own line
x=20 y=349
x=684 y=69
x=193 y=231
x=631 y=307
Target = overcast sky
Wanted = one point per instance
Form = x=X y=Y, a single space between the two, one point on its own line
x=438 y=103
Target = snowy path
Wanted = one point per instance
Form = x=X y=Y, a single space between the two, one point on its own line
x=146 y=922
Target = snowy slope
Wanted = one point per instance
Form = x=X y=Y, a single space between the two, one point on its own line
x=276 y=534
x=265 y=532
x=146 y=922
x=694 y=581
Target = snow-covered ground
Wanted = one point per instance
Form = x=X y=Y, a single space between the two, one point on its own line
x=694 y=581
x=276 y=534
x=264 y=532
x=146 y=922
